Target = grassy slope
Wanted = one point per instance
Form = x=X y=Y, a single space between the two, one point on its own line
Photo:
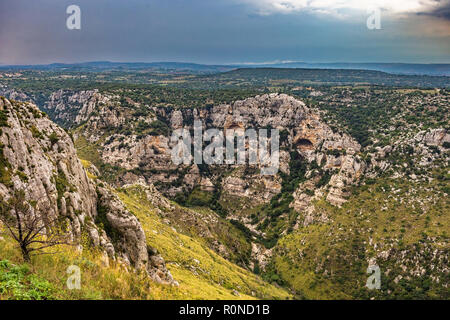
x=328 y=261
x=212 y=277
x=46 y=277
x=202 y=273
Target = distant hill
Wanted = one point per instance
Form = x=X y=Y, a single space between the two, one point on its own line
x=277 y=76
x=96 y=66
x=394 y=68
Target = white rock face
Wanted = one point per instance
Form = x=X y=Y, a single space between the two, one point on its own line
x=51 y=172
x=435 y=137
x=261 y=254
x=146 y=158
x=350 y=170
x=68 y=106
x=40 y=159
x=130 y=235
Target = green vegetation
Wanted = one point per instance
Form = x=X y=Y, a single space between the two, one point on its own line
x=199 y=198
x=102 y=221
x=270 y=77
x=62 y=185
x=19 y=283
x=53 y=138
x=214 y=277
x=155 y=128
x=46 y=277
x=402 y=223
x=5 y=168
x=374 y=115
x=329 y=261
x=278 y=215
x=3 y=118
x=36 y=133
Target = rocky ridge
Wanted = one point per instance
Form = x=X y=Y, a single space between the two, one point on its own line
x=151 y=152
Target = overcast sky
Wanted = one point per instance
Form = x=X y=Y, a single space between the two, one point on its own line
x=225 y=31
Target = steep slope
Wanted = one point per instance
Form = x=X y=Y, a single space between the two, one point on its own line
x=200 y=272
x=39 y=158
x=407 y=240
x=397 y=218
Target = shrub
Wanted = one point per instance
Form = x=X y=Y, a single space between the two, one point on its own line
x=54 y=138
x=3 y=119
x=19 y=284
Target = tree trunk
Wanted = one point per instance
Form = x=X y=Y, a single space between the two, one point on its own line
x=25 y=254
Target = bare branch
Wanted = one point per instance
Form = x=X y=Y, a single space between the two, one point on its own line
x=28 y=227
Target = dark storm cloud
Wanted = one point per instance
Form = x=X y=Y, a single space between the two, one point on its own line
x=441 y=11
x=204 y=31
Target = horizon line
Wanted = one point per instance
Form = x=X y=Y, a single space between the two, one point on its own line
x=275 y=62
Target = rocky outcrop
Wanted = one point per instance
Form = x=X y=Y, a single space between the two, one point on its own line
x=14 y=94
x=435 y=137
x=146 y=157
x=350 y=170
x=261 y=255
x=39 y=157
x=41 y=160
x=426 y=149
x=123 y=228
x=71 y=108
x=157 y=268
x=335 y=154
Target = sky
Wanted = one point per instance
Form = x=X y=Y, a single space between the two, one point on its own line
x=225 y=31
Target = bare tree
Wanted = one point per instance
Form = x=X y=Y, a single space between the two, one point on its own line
x=33 y=232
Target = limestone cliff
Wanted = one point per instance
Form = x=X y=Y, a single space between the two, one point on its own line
x=39 y=157
x=134 y=138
